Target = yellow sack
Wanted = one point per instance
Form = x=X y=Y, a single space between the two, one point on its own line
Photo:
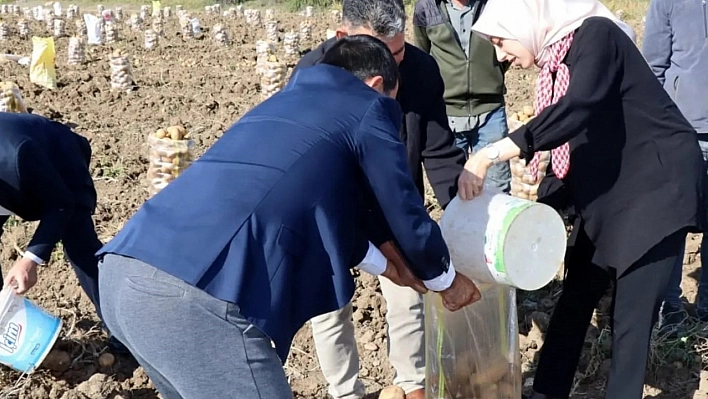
x=42 y=71
x=156 y=6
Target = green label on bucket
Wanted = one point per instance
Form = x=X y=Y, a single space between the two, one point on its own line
x=499 y=228
x=27 y=333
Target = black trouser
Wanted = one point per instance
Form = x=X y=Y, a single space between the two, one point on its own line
x=637 y=299
x=80 y=246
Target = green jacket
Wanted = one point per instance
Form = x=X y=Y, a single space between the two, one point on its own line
x=472 y=86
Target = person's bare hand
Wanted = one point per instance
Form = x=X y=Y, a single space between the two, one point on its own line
x=461 y=293
x=471 y=181
x=22 y=276
x=397 y=270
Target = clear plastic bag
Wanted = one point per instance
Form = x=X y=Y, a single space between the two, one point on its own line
x=473 y=353
x=168 y=158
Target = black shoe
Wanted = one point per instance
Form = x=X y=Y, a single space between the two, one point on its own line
x=117 y=347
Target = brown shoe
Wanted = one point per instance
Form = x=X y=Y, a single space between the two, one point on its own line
x=417 y=394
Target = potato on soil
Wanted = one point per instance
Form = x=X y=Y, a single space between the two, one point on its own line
x=57 y=360
x=106 y=360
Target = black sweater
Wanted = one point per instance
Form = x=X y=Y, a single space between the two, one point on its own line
x=636 y=170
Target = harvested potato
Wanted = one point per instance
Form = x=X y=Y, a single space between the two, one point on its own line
x=106 y=360
x=57 y=360
x=392 y=392
x=491 y=373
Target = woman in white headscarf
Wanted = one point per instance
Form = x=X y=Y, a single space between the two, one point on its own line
x=623 y=157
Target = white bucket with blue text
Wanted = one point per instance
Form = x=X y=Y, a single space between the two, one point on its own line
x=27 y=332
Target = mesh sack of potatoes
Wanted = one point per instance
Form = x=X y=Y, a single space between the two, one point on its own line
x=473 y=353
x=11 y=98
x=171 y=151
x=523 y=183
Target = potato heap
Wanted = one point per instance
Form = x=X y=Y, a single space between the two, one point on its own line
x=253 y=17
x=144 y=12
x=150 y=39
x=111 y=30
x=59 y=28
x=81 y=27
x=273 y=78
x=336 y=16
x=523 y=184
x=121 y=71
x=171 y=153
x=264 y=50
x=119 y=13
x=23 y=28
x=158 y=26
x=525 y=115
x=291 y=43
x=77 y=51
x=308 y=11
x=492 y=379
x=305 y=30
x=4 y=31
x=11 y=98
x=272 y=30
x=221 y=37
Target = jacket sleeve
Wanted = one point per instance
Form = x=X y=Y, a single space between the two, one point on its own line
x=382 y=158
x=41 y=181
x=442 y=159
x=657 y=39
x=421 y=39
x=595 y=70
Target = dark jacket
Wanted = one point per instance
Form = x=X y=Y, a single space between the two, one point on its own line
x=473 y=85
x=268 y=218
x=425 y=131
x=44 y=175
x=636 y=170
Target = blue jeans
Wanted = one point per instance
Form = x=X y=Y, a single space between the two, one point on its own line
x=489 y=130
x=672 y=301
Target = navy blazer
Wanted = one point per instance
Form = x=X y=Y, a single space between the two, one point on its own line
x=269 y=217
x=44 y=175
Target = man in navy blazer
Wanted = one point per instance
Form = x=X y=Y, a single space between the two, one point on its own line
x=45 y=177
x=208 y=283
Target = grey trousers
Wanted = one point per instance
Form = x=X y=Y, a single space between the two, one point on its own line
x=191 y=345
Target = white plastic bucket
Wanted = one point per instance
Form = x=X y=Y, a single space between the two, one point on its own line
x=499 y=239
x=27 y=333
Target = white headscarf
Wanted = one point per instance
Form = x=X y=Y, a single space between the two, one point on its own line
x=537 y=24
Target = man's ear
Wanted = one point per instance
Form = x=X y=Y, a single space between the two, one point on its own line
x=376 y=83
x=340 y=33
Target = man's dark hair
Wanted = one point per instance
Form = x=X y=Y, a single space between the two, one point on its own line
x=365 y=57
x=386 y=18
